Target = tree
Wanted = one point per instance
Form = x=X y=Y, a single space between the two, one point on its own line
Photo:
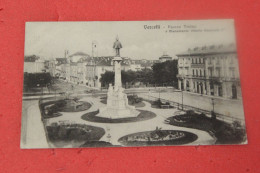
x=37 y=79
x=107 y=78
x=165 y=72
x=128 y=76
x=145 y=76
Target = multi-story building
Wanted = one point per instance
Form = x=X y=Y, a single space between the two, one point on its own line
x=210 y=71
x=81 y=72
x=52 y=67
x=74 y=73
x=55 y=66
x=96 y=67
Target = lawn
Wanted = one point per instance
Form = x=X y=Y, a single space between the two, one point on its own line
x=62 y=135
x=144 y=115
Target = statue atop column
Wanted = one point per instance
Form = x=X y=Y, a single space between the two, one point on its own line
x=117 y=46
x=117 y=101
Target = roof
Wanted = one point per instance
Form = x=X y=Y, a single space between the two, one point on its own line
x=106 y=61
x=61 y=61
x=212 y=49
x=31 y=58
x=165 y=57
x=79 y=54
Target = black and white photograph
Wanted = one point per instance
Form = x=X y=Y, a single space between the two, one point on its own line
x=131 y=83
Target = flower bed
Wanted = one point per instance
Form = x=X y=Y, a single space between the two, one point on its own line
x=158 y=137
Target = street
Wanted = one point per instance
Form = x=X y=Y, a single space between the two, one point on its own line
x=228 y=107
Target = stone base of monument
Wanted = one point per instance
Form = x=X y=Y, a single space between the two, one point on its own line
x=118 y=113
x=117 y=105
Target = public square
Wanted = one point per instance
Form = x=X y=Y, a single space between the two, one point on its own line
x=33 y=128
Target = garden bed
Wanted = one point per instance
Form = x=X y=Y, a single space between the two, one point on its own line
x=158 y=137
x=133 y=100
x=225 y=133
x=51 y=109
x=158 y=104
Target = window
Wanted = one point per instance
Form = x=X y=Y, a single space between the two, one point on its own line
x=232 y=73
x=231 y=61
x=193 y=73
x=218 y=61
x=218 y=72
x=210 y=72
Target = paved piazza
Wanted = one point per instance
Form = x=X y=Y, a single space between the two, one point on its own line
x=116 y=130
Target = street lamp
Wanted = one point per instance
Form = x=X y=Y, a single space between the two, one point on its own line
x=213 y=103
x=182 y=100
x=213 y=115
x=159 y=94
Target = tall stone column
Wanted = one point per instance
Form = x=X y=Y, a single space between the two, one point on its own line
x=208 y=88
x=215 y=90
x=204 y=88
x=118 y=82
x=228 y=90
x=191 y=85
x=199 y=88
x=224 y=90
x=179 y=84
x=184 y=84
x=196 y=85
x=239 y=94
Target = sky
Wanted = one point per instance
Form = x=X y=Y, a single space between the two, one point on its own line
x=51 y=39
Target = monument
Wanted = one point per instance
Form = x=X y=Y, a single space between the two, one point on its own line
x=117 y=101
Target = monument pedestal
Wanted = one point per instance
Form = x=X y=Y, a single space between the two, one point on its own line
x=117 y=105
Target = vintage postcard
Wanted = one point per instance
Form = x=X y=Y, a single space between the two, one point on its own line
x=131 y=83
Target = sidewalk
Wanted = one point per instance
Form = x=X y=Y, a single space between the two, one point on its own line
x=35 y=136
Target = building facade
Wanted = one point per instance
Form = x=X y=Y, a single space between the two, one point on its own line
x=211 y=71
x=94 y=70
